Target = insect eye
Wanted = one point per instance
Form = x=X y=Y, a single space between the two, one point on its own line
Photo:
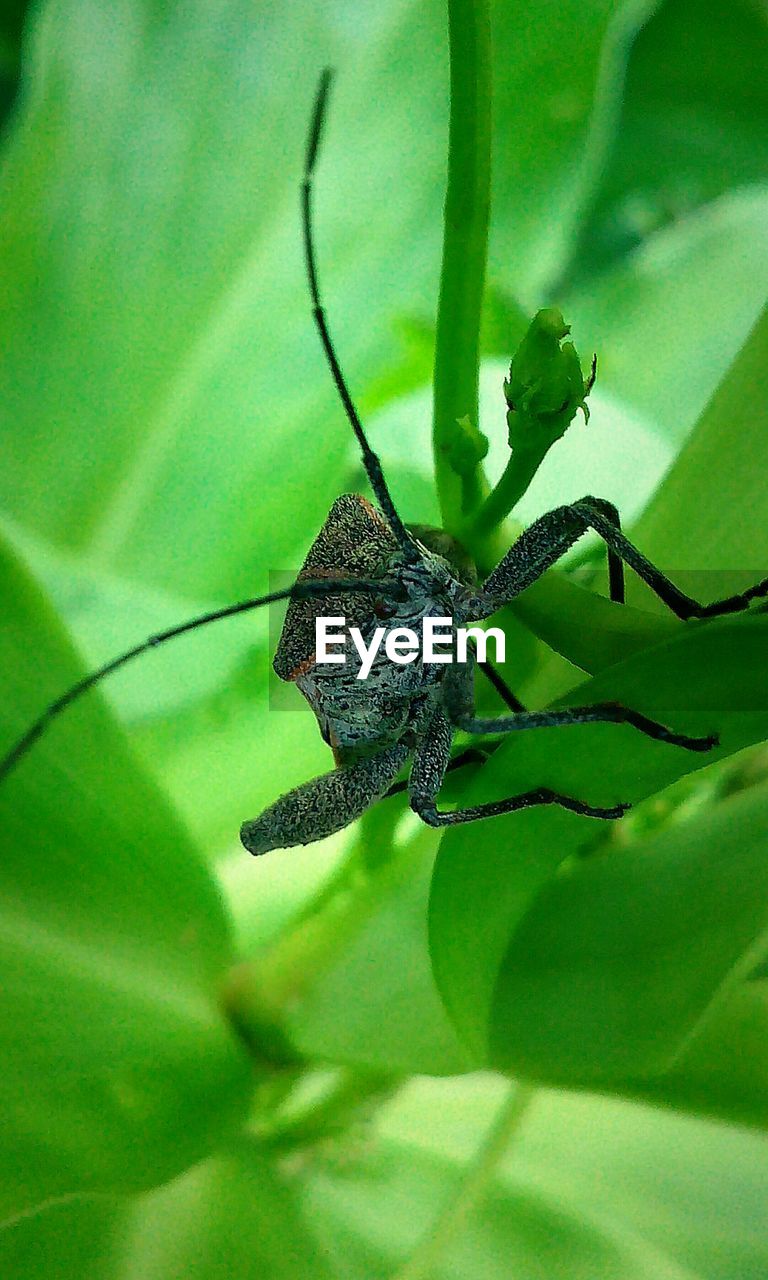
x=384 y=608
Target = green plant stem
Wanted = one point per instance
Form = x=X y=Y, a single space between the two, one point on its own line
x=465 y=242
x=353 y=1098
x=424 y=1261
x=504 y=497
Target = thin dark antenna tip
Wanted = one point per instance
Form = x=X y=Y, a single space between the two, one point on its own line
x=370 y=460
x=300 y=590
x=318 y=118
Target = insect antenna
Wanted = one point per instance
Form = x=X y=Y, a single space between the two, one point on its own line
x=298 y=591
x=370 y=460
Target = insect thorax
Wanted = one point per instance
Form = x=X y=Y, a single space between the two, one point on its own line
x=359 y=716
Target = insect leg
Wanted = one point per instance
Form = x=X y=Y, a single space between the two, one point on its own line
x=460 y=710
x=501 y=686
x=615 y=562
x=429 y=767
x=470 y=755
x=616 y=586
x=600 y=713
x=326 y=804
x=684 y=606
x=549 y=537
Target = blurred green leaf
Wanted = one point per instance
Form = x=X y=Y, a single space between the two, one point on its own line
x=590 y=1187
x=377 y=1006
x=119 y=1069
x=253 y=1224
x=178 y=214
x=488 y=875
x=231 y=1216
x=691 y=1192
x=517 y=1230
x=12 y=18
x=76 y=1235
x=723 y=1071
x=692 y=123
x=710 y=515
x=651 y=318
x=621 y=957
x=148 y=232
x=238 y=1215
x=558 y=74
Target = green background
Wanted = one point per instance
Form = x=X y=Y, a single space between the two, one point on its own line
x=536 y=1048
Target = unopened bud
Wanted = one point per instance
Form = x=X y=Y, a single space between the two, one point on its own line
x=546 y=386
x=467 y=448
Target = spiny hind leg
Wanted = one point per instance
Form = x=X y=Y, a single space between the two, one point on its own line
x=318 y=808
x=542 y=544
x=429 y=767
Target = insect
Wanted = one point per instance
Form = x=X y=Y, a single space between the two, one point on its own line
x=368 y=566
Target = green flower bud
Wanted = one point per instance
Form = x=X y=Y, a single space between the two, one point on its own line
x=468 y=446
x=546 y=386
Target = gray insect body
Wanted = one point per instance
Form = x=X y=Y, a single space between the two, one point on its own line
x=358 y=717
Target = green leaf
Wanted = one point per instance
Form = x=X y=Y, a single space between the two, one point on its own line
x=590 y=1187
x=142 y=297
x=239 y=1215
x=377 y=1005
x=621 y=958
x=670 y=318
x=557 y=82
x=688 y=1191
x=589 y=629
x=254 y=1223
x=723 y=1071
x=515 y=1231
x=12 y=21
x=149 y=235
x=342 y=965
x=235 y=1215
x=692 y=123
x=77 y=1233
x=488 y=875
x=710 y=515
x=119 y=1067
